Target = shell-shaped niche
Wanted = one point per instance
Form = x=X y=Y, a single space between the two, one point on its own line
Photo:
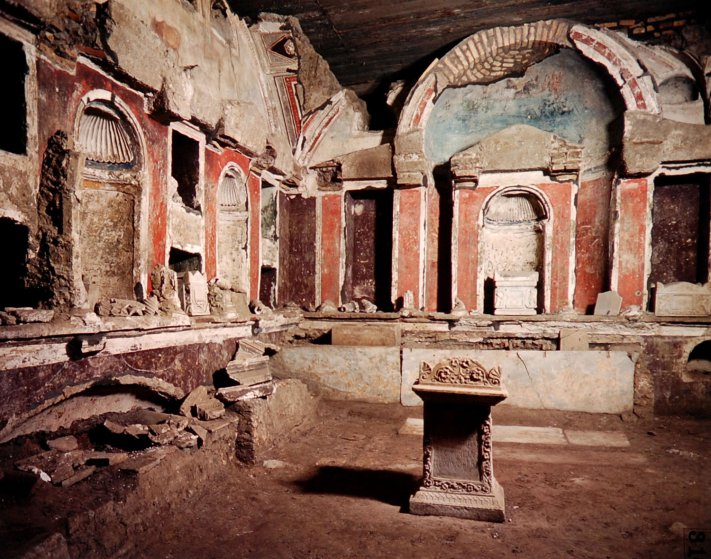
x=104 y=137
x=232 y=194
x=514 y=208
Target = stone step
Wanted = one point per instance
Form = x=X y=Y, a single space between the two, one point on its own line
x=524 y=434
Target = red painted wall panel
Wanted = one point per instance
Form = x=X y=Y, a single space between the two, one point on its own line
x=408 y=246
x=470 y=205
x=331 y=246
x=631 y=247
x=591 y=242
x=431 y=268
x=255 y=232
x=560 y=199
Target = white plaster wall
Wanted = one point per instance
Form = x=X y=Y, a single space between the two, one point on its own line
x=583 y=381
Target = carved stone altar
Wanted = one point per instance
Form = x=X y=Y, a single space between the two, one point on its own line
x=458 y=467
x=516 y=293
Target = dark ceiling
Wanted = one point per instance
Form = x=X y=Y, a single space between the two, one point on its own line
x=369 y=42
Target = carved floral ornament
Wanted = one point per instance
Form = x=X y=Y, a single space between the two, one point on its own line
x=460 y=370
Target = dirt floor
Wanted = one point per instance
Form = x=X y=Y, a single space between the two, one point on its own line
x=339 y=488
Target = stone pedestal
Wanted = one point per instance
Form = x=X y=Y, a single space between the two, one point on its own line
x=516 y=293
x=458 y=467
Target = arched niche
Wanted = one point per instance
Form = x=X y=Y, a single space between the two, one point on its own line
x=233 y=228
x=515 y=242
x=109 y=219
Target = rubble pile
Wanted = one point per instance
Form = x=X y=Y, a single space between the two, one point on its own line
x=137 y=440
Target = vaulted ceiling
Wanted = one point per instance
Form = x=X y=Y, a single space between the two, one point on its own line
x=368 y=42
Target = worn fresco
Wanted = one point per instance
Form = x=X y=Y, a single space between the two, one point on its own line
x=563 y=94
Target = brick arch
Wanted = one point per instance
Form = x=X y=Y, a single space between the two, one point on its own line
x=492 y=54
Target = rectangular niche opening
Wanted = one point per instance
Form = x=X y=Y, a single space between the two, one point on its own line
x=185 y=169
x=13 y=132
x=680 y=230
x=14 y=257
x=267 y=286
x=182 y=261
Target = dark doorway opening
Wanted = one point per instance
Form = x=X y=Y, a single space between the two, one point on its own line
x=13 y=132
x=368 y=247
x=14 y=258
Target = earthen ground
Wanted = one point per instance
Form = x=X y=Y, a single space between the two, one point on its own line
x=339 y=488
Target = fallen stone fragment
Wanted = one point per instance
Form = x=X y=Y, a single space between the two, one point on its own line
x=199 y=394
x=28 y=314
x=233 y=394
x=146 y=460
x=64 y=471
x=200 y=431
x=217 y=424
x=7 y=319
x=185 y=440
x=45 y=461
x=79 y=476
x=163 y=433
x=178 y=422
x=44 y=476
x=209 y=409
x=64 y=444
x=274 y=464
x=256 y=375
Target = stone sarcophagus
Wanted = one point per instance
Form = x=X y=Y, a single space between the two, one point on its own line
x=458 y=471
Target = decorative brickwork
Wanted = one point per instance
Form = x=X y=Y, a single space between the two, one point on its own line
x=493 y=54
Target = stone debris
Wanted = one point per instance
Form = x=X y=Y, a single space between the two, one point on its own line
x=200 y=431
x=134 y=430
x=274 y=464
x=64 y=444
x=259 y=308
x=349 y=307
x=327 y=306
x=198 y=394
x=608 y=304
x=26 y=315
x=199 y=403
x=251 y=363
x=68 y=468
x=250 y=373
x=459 y=308
x=109 y=306
x=232 y=394
x=147 y=460
x=368 y=307
x=6 y=319
x=163 y=434
x=185 y=440
x=209 y=409
x=80 y=475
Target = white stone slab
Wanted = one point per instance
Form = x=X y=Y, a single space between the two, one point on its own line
x=608 y=304
x=587 y=381
x=527 y=435
x=371 y=374
x=597 y=438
